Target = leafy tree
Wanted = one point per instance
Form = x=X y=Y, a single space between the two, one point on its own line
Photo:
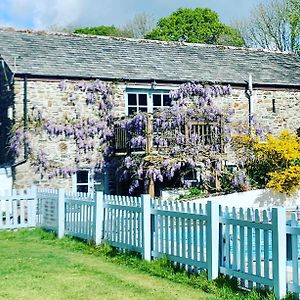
x=273 y=25
x=200 y=25
x=230 y=37
x=104 y=30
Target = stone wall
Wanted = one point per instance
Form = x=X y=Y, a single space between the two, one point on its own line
x=287 y=109
x=47 y=96
x=286 y=105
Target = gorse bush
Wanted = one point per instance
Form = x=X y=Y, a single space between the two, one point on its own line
x=286 y=181
x=273 y=162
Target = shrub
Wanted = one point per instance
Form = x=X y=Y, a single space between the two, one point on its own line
x=273 y=163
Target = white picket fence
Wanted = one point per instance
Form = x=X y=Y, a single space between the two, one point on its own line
x=250 y=245
x=18 y=210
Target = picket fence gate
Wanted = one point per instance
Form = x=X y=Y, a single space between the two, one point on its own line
x=258 y=247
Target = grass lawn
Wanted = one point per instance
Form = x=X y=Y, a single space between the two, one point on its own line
x=35 y=265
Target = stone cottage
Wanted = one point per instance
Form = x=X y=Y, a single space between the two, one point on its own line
x=143 y=72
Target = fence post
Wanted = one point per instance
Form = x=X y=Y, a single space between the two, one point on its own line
x=212 y=239
x=99 y=213
x=279 y=251
x=32 y=217
x=61 y=213
x=146 y=202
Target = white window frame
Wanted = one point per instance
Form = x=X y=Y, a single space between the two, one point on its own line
x=149 y=92
x=90 y=183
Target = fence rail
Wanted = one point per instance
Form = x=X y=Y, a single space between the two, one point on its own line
x=258 y=247
x=123 y=222
x=80 y=216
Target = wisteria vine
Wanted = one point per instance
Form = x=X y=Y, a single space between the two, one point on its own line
x=191 y=134
x=177 y=145
x=89 y=124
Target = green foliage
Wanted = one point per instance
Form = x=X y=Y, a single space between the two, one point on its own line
x=200 y=25
x=193 y=193
x=103 y=30
x=230 y=37
x=234 y=180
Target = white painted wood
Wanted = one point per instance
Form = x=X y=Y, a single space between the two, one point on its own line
x=61 y=213
x=212 y=239
x=146 y=202
x=261 y=198
x=99 y=217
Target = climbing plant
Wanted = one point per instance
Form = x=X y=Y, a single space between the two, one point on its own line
x=87 y=122
x=189 y=135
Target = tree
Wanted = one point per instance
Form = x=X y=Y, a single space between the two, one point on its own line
x=200 y=25
x=230 y=37
x=104 y=30
x=274 y=25
x=140 y=25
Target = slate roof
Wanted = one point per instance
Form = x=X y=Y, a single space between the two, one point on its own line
x=44 y=54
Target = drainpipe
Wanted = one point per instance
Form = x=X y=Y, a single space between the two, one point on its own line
x=25 y=125
x=249 y=95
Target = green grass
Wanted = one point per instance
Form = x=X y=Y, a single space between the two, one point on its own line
x=36 y=265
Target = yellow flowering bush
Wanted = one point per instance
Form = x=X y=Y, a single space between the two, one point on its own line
x=287 y=181
x=273 y=162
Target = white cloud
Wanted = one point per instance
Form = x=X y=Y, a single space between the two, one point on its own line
x=63 y=13
x=42 y=14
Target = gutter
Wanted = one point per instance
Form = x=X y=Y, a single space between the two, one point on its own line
x=150 y=80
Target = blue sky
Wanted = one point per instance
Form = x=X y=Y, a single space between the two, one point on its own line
x=42 y=14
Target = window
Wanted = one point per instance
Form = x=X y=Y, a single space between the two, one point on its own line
x=142 y=100
x=86 y=181
x=161 y=100
x=137 y=103
x=82 y=181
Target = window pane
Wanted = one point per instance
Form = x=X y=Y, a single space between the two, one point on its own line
x=82 y=176
x=167 y=100
x=143 y=109
x=132 y=110
x=132 y=99
x=82 y=188
x=156 y=100
x=142 y=99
